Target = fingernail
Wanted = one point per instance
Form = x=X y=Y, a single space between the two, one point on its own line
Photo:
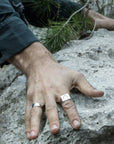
x=76 y=123
x=54 y=127
x=32 y=134
x=28 y=135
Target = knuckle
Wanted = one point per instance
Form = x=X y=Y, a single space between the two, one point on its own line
x=33 y=125
x=50 y=108
x=68 y=105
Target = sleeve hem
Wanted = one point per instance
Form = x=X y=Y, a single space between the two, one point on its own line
x=14 y=37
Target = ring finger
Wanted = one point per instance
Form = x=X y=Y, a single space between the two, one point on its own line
x=70 y=109
x=36 y=113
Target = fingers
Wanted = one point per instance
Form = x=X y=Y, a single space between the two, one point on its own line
x=27 y=120
x=36 y=113
x=32 y=121
x=33 y=116
x=83 y=85
x=52 y=114
x=72 y=113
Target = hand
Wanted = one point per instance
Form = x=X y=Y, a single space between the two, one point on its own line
x=47 y=81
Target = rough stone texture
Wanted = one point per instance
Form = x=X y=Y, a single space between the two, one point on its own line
x=95 y=59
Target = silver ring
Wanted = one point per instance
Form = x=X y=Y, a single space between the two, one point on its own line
x=65 y=97
x=35 y=105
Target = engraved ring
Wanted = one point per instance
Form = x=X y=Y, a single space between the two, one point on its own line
x=65 y=97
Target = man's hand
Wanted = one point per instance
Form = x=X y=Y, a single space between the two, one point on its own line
x=47 y=81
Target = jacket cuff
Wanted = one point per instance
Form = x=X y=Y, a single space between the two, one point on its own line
x=14 y=37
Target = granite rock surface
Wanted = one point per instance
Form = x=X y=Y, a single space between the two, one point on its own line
x=95 y=59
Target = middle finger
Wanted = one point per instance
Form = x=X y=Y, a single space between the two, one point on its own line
x=52 y=114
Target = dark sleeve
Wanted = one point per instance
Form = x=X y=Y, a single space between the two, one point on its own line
x=38 y=13
x=14 y=34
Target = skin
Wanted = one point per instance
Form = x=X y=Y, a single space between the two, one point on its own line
x=101 y=20
x=47 y=80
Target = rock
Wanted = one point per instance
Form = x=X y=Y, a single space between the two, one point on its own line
x=105 y=6
x=7 y=76
x=95 y=59
x=111 y=53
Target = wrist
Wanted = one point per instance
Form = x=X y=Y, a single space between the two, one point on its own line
x=35 y=54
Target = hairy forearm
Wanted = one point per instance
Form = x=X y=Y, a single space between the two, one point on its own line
x=36 y=53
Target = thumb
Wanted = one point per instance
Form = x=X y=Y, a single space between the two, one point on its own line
x=83 y=86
